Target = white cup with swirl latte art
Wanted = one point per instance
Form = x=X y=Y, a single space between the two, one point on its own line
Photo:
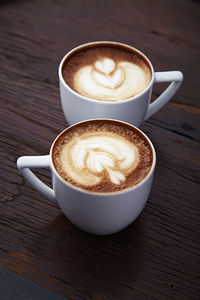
x=111 y=80
x=102 y=172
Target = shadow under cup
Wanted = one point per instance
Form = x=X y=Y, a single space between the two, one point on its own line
x=100 y=212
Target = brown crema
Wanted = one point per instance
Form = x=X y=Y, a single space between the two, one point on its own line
x=106 y=71
x=99 y=164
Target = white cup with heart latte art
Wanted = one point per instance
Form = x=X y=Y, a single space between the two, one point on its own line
x=111 y=80
x=102 y=172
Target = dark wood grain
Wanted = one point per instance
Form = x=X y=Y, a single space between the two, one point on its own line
x=156 y=257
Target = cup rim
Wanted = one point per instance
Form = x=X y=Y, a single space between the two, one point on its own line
x=153 y=165
x=87 y=99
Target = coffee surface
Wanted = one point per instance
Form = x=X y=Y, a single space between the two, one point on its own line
x=102 y=156
x=107 y=72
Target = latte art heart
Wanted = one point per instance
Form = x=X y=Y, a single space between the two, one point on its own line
x=107 y=71
x=106 y=75
x=105 y=66
x=108 y=80
x=91 y=159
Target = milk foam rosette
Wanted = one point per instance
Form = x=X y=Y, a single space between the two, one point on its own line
x=92 y=158
x=108 y=80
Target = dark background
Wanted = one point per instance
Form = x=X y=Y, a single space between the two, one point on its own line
x=156 y=257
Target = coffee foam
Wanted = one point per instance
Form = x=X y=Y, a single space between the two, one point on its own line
x=88 y=158
x=102 y=156
x=108 y=73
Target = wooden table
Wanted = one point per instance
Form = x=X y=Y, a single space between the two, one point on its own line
x=156 y=257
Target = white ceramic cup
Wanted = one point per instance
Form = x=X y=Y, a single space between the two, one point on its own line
x=97 y=213
x=135 y=110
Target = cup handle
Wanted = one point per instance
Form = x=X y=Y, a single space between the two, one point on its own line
x=176 y=77
x=24 y=163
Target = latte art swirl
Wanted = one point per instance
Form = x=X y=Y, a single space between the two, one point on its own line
x=102 y=156
x=93 y=158
x=108 y=80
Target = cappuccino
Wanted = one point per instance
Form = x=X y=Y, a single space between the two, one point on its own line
x=102 y=156
x=106 y=71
